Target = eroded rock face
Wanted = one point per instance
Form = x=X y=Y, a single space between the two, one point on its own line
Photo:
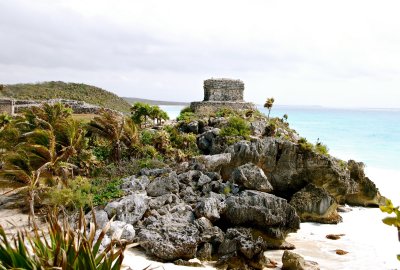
x=251 y=176
x=289 y=168
x=242 y=248
x=269 y=213
x=170 y=237
x=214 y=162
x=129 y=209
x=314 y=204
x=163 y=185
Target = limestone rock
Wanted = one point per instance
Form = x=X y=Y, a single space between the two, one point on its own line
x=242 y=248
x=214 y=162
x=251 y=176
x=293 y=261
x=101 y=217
x=314 y=204
x=163 y=185
x=121 y=231
x=129 y=209
x=208 y=208
x=134 y=183
x=170 y=237
x=265 y=211
x=289 y=168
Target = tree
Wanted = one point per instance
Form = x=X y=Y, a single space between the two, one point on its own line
x=140 y=112
x=38 y=152
x=268 y=104
x=116 y=129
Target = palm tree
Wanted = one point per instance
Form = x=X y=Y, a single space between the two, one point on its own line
x=116 y=129
x=268 y=104
x=33 y=159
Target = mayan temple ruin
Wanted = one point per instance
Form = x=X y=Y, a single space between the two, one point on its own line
x=222 y=93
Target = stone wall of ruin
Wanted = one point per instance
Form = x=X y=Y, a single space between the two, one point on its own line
x=7 y=106
x=223 y=90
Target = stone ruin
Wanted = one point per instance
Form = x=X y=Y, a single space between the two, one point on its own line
x=222 y=93
x=7 y=106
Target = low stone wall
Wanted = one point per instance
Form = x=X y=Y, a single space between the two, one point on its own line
x=78 y=107
x=206 y=107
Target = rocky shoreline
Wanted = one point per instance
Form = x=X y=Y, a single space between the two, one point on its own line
x=235 y=203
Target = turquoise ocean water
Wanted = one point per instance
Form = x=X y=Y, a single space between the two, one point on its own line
x=368 y=135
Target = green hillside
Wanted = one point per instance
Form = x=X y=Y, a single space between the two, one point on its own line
x=75 y=91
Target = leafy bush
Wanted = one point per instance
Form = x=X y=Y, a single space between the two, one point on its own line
x=236 y=126
x=61 y=248
x=226 y=112
x=305 y=145
x=322 y=148
x=77 y=194
x=104 y=190
x=146 y=137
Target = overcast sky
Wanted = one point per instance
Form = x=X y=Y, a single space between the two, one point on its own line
x=330 y=53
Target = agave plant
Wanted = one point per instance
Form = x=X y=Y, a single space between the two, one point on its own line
x=61 y=247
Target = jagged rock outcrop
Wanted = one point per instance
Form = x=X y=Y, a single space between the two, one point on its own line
x=129 y=209
x=242 y=249
x=289 y=168
x=163 y=185
x=170 y=236
x=314 y=204
x=271 y=214
x=250 y=176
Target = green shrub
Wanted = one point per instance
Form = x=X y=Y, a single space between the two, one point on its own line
x=236 y=126
x=77 y=194
x=305 y=145
x=226 y=112
x=321 y=148
x=61 y=248
x=105 y=190
x=146 y=137
x=102 y=152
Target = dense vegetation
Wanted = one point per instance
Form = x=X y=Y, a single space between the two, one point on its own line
x=74 y=91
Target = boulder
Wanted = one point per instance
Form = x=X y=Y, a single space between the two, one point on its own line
x=208 y=232
x=251 y=176
x=170 y=237
x=134 y=184
x=242 y=248
x=293 y=261
x=314 y=204
x=206 y=140
x=271 y=214
x=129 y=209
x=163 y=185
x=208 y=208
x=100 y=216
x=214 y=162
x=120 y=230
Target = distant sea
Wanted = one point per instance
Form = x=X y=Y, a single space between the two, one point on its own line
x=368 y=135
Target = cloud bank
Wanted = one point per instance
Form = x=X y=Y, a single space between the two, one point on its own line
x=340 y=54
